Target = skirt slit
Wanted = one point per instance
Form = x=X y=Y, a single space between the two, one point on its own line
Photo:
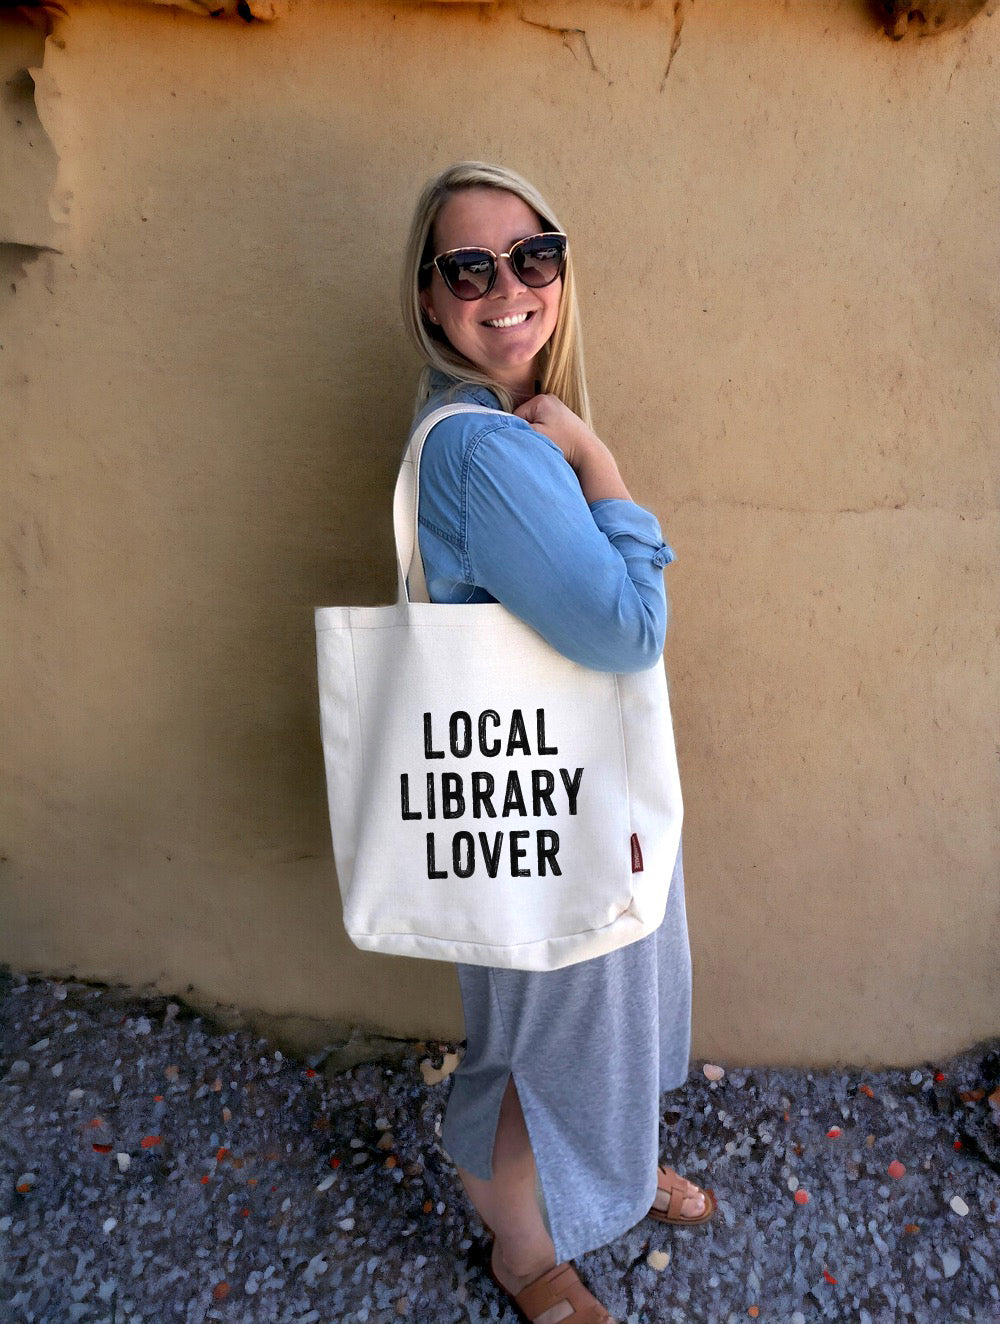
x=591 y=1048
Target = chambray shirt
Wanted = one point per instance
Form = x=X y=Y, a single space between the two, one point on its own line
x=503 y=519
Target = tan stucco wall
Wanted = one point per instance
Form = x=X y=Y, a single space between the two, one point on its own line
x=789 y=253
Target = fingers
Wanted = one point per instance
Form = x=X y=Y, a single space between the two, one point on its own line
x=536 y=408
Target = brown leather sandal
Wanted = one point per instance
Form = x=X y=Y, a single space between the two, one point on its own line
x=668 y=1180
x=557 y=1285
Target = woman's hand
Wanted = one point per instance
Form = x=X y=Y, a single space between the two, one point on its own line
x=590 y=459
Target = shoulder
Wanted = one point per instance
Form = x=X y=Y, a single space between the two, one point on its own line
x=485 y=437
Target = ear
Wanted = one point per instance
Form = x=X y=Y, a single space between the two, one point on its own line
x=427 y=304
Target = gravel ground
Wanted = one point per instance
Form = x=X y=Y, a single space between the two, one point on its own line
x=156 y=1169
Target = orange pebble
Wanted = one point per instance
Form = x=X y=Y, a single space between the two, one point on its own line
x=753 y=1311
x=150 y=1142
x=220 y=1291
x=896 y=1170
x=801 y=1196
x=310 y=1072
x=334 y=1161
x=245 y=1213
x=829 y=1277
x=391 y=1161
x=102 y=1149
x=157 y=1098
x=23 y=1187
x=957 y=1144
x=427 y=1206
x=221 y=1153
x=911 y=1228
x=833 y=1133
x=205 y=1180
x=866 y=1090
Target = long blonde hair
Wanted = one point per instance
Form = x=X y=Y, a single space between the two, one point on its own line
x=562 y=372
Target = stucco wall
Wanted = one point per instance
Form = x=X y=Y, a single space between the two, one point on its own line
x=787 y=231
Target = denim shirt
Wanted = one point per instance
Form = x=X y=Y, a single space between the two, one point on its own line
x=503 y=519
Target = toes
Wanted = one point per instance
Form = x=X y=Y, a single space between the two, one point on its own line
x=693 y=1204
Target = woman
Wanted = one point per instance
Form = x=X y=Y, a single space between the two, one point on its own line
x=561 y=1080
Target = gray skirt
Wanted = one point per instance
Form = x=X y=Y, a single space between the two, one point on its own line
x=591 y=1049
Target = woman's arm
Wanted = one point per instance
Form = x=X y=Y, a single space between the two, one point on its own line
x=587 y=576
x=588 y=457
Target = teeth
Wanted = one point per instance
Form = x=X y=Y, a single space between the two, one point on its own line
x=514 y=320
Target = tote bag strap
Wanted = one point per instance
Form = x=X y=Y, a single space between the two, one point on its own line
x=406 y=501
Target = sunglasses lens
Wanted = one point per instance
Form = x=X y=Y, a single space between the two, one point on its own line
x=470 y=274
x=539 y=260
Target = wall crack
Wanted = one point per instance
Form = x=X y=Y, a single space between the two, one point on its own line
x=675 y=40
x=877 y=507
x=572 y=38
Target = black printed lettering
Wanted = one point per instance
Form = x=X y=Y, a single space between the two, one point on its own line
x=517 y=853
x=518 y=737
x=429 y=751
x=548 y=849
x=572 y=786
x=542 y=747
x=432 y=872
x=460 y=735
x=491 y=858
x=513 y=800
x=404 y=797
x=482 y=796
x=489 y=749
x=452 y=798
x=463 y=855
x=542 y=785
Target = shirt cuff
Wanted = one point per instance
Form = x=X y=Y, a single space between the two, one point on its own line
x=619 y=519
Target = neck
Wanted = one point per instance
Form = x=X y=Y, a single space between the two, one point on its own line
x=523 y=387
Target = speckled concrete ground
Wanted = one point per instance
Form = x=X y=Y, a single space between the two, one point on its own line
x=154 y=1170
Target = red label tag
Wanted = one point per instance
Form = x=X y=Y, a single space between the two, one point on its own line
x=636 y=854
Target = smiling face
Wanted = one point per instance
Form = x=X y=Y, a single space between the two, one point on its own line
x=502 y=333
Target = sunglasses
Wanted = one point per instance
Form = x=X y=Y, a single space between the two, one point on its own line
x=470 y=273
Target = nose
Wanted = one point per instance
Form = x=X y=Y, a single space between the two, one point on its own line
x=506 y=282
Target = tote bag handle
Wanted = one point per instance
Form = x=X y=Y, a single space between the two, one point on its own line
x=412 y=586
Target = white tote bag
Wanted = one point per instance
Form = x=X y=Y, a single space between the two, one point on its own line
x=490 y=801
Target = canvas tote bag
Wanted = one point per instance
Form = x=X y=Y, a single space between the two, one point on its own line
x=491 y=801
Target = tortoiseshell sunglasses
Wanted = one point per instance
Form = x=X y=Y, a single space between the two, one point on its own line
x=470 y=273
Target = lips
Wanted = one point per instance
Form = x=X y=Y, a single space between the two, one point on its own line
x=513 y=319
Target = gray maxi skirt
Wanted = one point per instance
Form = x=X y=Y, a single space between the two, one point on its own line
x=591 y=1048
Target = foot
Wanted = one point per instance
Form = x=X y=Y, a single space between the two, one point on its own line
x=680 y=1201
x=570 y=1300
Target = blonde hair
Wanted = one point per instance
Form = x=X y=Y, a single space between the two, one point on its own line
x=562 y=372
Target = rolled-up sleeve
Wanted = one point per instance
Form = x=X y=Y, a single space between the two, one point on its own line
x=588 y=578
